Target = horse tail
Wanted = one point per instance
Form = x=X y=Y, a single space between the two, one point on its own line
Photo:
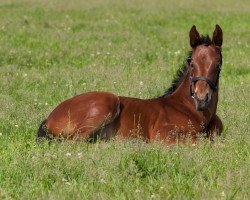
x=42 y=132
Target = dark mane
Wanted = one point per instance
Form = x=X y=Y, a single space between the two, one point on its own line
x=183 y=69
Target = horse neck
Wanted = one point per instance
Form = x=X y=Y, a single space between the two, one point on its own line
x=182 y=94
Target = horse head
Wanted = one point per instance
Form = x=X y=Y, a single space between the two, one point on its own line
x=205 y=66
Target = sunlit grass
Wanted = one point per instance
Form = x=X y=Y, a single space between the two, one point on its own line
x=53 y=50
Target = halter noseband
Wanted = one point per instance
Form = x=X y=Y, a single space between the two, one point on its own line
x=212 y=85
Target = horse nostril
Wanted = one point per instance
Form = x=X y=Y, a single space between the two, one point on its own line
x=206 y=98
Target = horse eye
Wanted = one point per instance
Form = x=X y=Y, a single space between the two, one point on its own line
x=192 y=65
x=218 y=66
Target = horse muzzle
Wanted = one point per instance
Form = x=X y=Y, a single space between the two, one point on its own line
x=201 y=104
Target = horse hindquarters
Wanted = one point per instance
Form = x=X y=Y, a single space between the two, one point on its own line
x=84 y=116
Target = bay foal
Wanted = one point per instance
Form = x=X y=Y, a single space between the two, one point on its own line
x=187 y=109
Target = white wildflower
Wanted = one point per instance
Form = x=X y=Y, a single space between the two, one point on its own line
x=65 y=181
x=137 y=191
x=103 y=181
x=79 y=155
x=177 y=52
x=68 y=154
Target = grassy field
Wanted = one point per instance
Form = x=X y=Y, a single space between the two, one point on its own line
x=52 y=50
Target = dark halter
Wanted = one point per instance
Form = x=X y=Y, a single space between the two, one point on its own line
x=212 y=85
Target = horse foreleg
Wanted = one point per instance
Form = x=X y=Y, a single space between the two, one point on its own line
x=214 y=127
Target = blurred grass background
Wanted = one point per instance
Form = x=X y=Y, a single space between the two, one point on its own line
x=53 y=50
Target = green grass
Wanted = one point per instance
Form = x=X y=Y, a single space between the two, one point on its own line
x=52 y=50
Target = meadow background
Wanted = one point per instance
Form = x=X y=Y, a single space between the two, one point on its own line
x=51 y=50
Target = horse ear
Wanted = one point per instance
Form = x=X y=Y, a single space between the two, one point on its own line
x=194 y=37
x=217 y=36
